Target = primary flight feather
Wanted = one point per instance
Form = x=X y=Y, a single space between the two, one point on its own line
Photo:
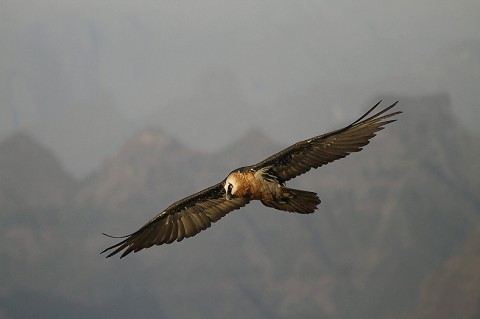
x=264 y=181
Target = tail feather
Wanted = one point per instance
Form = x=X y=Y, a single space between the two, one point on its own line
x=296 y=201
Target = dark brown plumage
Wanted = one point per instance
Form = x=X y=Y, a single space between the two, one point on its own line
x=263 y=181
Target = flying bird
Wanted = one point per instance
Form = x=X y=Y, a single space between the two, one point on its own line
x=264 y=181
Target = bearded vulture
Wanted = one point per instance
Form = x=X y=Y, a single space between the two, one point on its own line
x=264 y=181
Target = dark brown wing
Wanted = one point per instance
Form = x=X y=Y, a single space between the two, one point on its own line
x=323 y=149
x=184 y=218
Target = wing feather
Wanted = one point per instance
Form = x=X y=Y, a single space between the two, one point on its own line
x=182 y=219
x=173 y=233
x=181 y=231
x=166 y=230
x=189 y=225
x=323 y=149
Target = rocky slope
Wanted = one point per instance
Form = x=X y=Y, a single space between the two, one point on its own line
x=453 y=290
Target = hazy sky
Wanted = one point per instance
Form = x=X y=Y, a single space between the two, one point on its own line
x=179 y=64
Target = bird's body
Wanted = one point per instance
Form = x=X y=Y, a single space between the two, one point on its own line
x=262 y=185
x=264 y=181
x=252 y=185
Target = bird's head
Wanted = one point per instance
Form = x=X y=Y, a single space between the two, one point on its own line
x=231 y=186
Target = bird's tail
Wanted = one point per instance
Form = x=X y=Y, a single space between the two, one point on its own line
x=295 y=200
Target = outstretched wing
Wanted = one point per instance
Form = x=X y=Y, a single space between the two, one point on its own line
x=184 y=218
x=323 y=149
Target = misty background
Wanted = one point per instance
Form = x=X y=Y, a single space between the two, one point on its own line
x=111 y=110
x=82 y=76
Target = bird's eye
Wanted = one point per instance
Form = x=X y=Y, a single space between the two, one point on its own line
x=230 y=186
